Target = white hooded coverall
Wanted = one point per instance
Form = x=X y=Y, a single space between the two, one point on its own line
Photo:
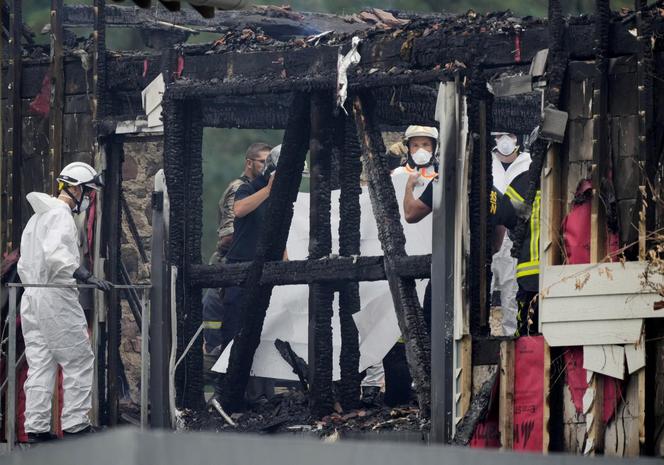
x=53 y=323
x=503 y=265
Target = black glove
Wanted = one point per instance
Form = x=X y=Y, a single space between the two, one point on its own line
x=83 y=274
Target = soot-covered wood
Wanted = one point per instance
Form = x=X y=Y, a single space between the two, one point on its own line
x=350 y=168
x=390 y=232
x=270 y=248
x=321 y=400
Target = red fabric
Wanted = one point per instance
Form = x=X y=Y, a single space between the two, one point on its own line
x=40 y=105
x=576 y=376
x=529 y=393
x=517 y=48
x=576 y=228
x=22 y=375
x=180 y=68
x=90 y=226
x=145 y=68
x=9 y=261
x=576 y=382
x=486 y=434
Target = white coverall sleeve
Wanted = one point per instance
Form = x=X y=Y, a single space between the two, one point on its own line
x=60 y=248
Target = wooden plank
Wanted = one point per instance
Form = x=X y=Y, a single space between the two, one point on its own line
x=463 y=377
x=608 y=360
x=592 y=332
x=546 y=408
x=600 y=279
x=506 y=401
x=594 y=308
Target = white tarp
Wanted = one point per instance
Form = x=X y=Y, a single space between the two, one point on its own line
x=287 y=317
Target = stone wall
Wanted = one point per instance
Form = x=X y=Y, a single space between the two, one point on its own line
x=143 y=158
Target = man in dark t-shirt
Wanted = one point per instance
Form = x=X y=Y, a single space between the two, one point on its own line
x=250 y=209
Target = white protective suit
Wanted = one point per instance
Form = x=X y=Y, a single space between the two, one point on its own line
x=503 y=265
x=53 y=323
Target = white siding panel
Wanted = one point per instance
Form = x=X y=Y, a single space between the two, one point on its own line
x=581 y=333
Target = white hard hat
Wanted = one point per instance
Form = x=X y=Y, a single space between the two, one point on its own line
x=79 y=173
x=421 y=131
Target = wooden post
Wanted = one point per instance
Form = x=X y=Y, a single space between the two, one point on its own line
x=350 y=169
x=270 y=248
x=112 y=196
x=390 y=232
x=484 y=214
x=56 y=110
x=506 y=402
x=594 y=399
x=320 y=245
x=14 y=218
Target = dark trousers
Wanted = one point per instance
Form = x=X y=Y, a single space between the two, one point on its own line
x=527 y=318
x=397 y=376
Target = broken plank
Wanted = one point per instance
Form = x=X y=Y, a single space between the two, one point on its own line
x=608 y=360
x=580 y=333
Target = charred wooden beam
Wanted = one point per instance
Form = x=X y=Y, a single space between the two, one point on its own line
x=14 y=152
x=390 y=232
x=276 y=26
x=111 y=232
x=183 y=134
x=477 y=411
x=321 y=400
x=56 y=110
x=397 y=107
x=99 y=101
x=272 y=243
x=350 y=169
x=311 y=83
x=334 y=271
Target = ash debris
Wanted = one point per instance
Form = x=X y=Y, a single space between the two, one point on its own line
x=288 y=412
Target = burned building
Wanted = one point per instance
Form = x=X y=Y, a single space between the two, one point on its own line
x=596 y=77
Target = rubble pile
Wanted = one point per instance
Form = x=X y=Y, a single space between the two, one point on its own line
x=288 y=412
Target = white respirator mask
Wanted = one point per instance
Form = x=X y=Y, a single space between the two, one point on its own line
x=85 y=204
x=505 y=145
x=421 y=157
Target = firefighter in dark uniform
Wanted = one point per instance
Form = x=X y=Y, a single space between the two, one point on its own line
x=527 y=269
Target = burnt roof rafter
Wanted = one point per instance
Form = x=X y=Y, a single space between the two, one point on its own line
x=281 y=26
